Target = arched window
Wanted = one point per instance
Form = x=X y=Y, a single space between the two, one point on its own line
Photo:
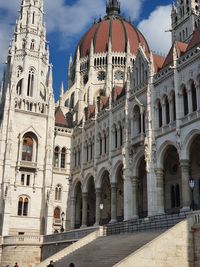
x=33 y=18
x=116 y=142
x=174 y=106
x=56 y=156
x=32 y=46
x=27 y=149
x=160 y=114
x=185 y=101
x=56 y=214
x=72 y=101
x=167 y=111
x=30 y=82
x=121 y=135
x=23 y=206
x=58 y=193
x=63 y=158
x=19 y=71
x=100 y=145
x=105 y=143
x=194 y=97
x=87 y=152
x=19 y=87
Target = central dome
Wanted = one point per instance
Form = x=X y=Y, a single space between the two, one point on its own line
x=115 y=28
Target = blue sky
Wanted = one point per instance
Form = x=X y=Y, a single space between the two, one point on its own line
x=67 y=20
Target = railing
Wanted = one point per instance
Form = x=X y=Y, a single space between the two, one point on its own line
x=69 y=236
x=28 y=164
x=22 y=240
x=146 y=224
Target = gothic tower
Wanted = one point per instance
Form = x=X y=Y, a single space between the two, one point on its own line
x=185 y=18
x=27 y=128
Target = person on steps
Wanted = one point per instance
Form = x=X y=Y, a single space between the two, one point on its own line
x=71 y=264
x=51 y=264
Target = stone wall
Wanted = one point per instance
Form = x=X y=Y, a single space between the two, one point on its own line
x=196 y=230
x=50 y=249
x=26 y=256
x=173 y=248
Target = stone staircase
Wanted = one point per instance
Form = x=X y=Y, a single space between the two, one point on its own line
x=115 y=242
x=107 y=251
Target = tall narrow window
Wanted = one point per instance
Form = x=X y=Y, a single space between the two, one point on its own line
x=100 y=145
x=56 y=156
x=160 y=114
x=167 y=110
x=121 y=135
x=174 y=106
x=58 y=192
x=23 y=206
x=105 y=143
x=20 y=206
x=27 y=149
x=63 y=158
x=185 y=101
x=32 y=46
x=30 y=83
x=33 y=18
x=116 y=143
x=91 y=151
x=194 y=97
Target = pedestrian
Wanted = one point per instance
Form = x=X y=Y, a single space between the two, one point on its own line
x=51 y=264
x=16 y=264
x=71 y=264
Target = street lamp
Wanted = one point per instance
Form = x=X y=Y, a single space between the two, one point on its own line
x=62 y=218
x=101 y=212
x=192 y=185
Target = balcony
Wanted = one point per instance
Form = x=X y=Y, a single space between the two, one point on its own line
x=28 y=164
x=57 y=222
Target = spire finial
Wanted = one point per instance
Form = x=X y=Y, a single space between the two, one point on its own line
x=113 y=7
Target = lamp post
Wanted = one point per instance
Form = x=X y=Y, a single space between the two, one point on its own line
x=101 y=212
x=192 y=185
x=62 y=218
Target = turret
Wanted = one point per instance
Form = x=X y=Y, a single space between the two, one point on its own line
x=184 y=17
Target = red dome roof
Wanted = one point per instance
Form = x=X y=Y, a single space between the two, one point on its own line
x=119 y=30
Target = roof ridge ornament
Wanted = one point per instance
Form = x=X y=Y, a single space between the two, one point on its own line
x=113 y=8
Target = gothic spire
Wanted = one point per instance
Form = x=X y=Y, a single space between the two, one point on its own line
x=113 y=7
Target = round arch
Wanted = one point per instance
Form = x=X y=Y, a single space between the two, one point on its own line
x=161 y=153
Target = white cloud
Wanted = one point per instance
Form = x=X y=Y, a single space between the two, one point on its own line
x=66 y=20
x=154 y=29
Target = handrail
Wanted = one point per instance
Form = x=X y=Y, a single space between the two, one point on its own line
x=163 y=221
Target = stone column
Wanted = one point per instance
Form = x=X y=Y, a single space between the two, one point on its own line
x=84 y=210
x=185 y=184
x=135 y=196
x=160 y=190
x=98 y=202
x=113 y=202
x=128 y=196
x=73 y=212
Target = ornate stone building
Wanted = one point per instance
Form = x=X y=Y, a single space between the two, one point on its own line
x=121 y=142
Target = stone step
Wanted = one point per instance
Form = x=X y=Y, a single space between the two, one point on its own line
x=107 y=251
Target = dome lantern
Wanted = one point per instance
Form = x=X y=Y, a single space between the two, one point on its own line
x=113 y=8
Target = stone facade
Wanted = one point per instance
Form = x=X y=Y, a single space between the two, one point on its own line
x=120 y=143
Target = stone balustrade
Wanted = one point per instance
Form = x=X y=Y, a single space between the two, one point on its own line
x=67 y=236
x=22 y=240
